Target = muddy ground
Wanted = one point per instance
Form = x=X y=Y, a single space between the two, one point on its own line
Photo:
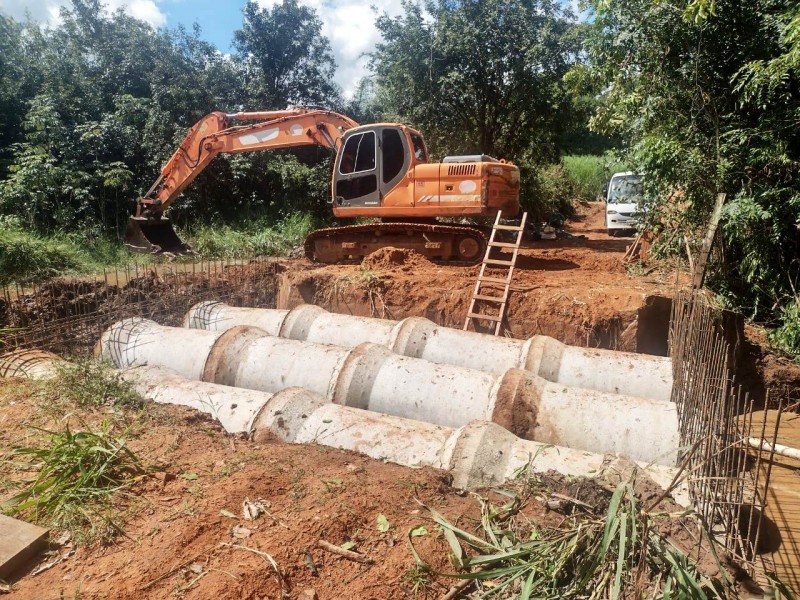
x=179 y=538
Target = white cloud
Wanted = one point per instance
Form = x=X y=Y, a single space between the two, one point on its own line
x=350 y=27
x=47 y=11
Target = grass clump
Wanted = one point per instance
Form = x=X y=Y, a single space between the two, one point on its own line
x=257 y=239
x=86 y=383
x=26 y=257
x=619 y=554
x=77 y=472
x=590 y=173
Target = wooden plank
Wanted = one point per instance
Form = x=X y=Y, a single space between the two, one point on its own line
x=508 y=227
x=492 y=261
x=20 y=546
x=782 y=534
x=473 y=315
x=490 y=298
x=503 y=245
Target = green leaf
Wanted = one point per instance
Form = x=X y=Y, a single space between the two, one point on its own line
x=383 y=524
x=227 y=513
x=348 y=545
x=418 y=531
x=455 y=546
x=189 y=476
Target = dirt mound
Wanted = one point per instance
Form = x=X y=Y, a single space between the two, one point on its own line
x=392 y=258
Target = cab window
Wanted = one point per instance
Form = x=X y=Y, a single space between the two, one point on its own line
x=393 y=154
x=420 y=151
x=358 y=154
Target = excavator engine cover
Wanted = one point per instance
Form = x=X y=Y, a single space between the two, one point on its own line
x=153 y=236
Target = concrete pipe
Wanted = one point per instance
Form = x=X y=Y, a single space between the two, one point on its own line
x=137 y=341
x=30 y=364
x=477 y=454
x=234 y=408
x=372 y=377
x=602 y=370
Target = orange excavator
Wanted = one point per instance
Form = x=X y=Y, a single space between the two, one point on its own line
x=380 y=171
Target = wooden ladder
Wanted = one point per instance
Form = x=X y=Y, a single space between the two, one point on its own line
x=499 y=301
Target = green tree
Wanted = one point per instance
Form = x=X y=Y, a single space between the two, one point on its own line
x=286 y=58
x=19 y=78
x=480 y=76
x=707 y=95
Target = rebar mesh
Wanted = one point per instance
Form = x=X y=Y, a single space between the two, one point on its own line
x=728 y=479
x=67 y=315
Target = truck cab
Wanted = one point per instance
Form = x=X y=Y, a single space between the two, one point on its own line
x=623 y=202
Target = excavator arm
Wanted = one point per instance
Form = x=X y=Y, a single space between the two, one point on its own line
x=216 y=133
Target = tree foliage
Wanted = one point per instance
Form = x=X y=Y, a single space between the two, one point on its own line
x=707 y=94
x=91 y=109
x=286 y=58
x=479 y=76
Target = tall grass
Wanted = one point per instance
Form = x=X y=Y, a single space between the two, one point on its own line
x=616 y=554
x=76 y=474
x=590 y=173
x=26 y=256
x=260 y=238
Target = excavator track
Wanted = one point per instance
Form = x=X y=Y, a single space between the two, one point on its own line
x=443 y=244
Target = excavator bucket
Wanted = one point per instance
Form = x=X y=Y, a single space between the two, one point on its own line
x=153 y=236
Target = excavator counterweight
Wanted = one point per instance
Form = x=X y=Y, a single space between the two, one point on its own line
x=380 y=171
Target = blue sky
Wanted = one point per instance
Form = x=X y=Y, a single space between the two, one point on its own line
x=218 y=19
x=348 y=24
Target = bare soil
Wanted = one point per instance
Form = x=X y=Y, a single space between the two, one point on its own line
x=185 y=534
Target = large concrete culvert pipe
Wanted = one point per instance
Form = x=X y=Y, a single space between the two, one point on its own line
x=478 y=454
x=372 y=377
x=602 y=370
x=30 y=364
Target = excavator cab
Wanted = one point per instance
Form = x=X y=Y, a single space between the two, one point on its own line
x=372 y=161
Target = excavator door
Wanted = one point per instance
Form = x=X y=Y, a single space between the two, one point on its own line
x=371 y=162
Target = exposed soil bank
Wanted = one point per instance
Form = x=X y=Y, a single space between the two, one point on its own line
x=575 y=290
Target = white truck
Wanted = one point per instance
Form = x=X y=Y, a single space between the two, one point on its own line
x=623 y=197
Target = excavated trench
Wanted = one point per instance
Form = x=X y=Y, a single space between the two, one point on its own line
x=611 y=319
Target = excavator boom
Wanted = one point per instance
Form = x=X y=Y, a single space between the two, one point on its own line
x=150 y=231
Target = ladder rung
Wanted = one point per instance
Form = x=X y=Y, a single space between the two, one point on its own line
x=486 y=317
x=502 y=245
x=493 y=261
x=493 y=280
x=498 y=299
x=508 y=227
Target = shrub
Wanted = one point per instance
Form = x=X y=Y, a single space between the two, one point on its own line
x=257 y=239
x=786 y=338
